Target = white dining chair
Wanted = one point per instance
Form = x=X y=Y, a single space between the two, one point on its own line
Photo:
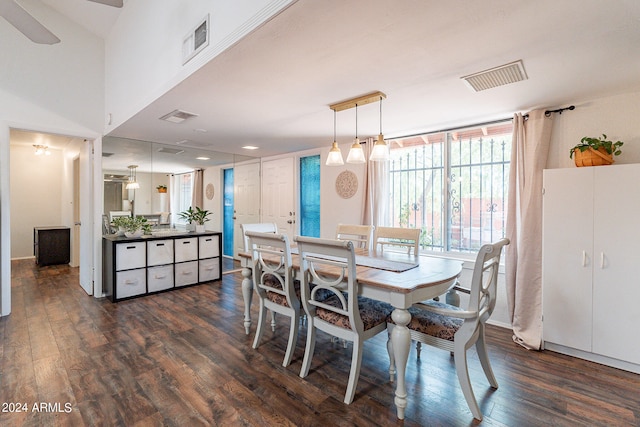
x=261 y=227
x=360 y=235
x=397 y=237
x=274 y=284
x=332 y=305
x=453 y=329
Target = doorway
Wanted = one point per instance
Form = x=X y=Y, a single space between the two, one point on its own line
x=52 y=190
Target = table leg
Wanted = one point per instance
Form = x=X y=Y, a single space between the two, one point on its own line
x=247 y=294
x=401 y=341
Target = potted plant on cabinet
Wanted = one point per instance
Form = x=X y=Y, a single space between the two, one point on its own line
x=135 y=227
x=119 y=223
x=200 y=217
x=195 y=218
x=188 y=216
x=595 y=151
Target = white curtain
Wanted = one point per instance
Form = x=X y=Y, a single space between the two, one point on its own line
x=376 y=190
x=196 y=195
x=530 y=148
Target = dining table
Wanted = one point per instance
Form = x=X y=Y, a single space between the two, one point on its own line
x=397 y=278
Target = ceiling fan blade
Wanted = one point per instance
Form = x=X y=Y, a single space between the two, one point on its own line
x=25 y=23
x=114 y=3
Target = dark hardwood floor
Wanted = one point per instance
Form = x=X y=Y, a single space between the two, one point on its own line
x=181 y=358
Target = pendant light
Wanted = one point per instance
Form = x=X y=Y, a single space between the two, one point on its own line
x=335 y=155
x=356 y=154
x=380 y=152
x=132 y=184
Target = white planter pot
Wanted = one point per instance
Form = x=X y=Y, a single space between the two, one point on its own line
x=199 y=228
x=191 y=227
x=136 y=233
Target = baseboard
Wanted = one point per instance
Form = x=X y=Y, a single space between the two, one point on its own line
x=597 y=358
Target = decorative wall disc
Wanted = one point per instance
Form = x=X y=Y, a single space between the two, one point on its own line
x=346 y=184
x=209 y=191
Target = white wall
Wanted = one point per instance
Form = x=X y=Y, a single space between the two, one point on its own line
x=616 y=116
x=51 y=89
x=36 y=196
x=140 y=69
x=213 y=176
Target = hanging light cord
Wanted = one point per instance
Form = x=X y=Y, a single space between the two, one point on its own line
x=334 y=125
x=380 y=115
x=356 y=121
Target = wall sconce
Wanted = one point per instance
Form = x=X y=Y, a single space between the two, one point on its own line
x=132 y=183
x=42 y=149
x=356 y=153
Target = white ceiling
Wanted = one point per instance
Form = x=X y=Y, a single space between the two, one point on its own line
x=273 y=88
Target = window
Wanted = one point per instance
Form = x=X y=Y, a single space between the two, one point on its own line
x=310 y=196
x=453 y=185
x=183 y=195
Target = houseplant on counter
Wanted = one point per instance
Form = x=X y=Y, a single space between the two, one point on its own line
x=135 y=227
x=595 y=151
x=195 y=218
x=200 y=217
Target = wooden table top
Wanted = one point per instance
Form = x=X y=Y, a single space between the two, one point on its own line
x=431 y=271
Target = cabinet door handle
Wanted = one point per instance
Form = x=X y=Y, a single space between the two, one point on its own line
x=601 y=259
x=584 y=258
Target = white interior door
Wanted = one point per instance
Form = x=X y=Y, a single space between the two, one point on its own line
x=85 y=189
x=278 y=190
x=246 y=201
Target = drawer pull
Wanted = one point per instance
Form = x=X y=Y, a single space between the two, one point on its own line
x=208 y=240
x=159 y=244
x=186 y=243
x=131 y=247
x=187 y=273
x=164 y=276
x=131 y=282
x=209 y=268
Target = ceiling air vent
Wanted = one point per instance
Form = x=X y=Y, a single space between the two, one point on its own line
x=498 y=76
x=170 y=150
x=177 y=116
x=196 y=40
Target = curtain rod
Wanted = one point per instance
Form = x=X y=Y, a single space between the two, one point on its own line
x=547 y=113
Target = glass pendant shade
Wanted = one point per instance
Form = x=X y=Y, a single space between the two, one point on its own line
x=380 y=152
x=335 y=156
x=132 y=183
x=356 y=154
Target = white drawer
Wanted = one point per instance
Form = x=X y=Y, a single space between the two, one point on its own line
x=130 y=255
x=160 y=252
x=209 y=269
x=130 y=283
x=186 y=273
x=209 y=246
x=160 y=278
x=186 y=249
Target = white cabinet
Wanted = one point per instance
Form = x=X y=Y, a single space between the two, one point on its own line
x=139 y=266
x=590 y=291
